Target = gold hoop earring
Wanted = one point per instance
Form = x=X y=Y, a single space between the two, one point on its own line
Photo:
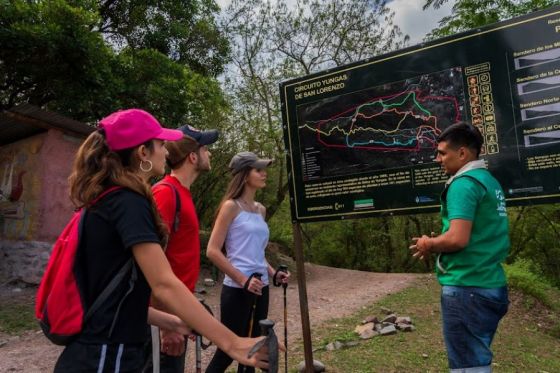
x=150 y=164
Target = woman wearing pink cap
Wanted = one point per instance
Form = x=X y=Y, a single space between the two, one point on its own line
x=126 y=151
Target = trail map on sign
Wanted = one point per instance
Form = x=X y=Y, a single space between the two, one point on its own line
x=394 y=125
x=361 y=139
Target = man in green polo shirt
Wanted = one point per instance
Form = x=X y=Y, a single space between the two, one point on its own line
x=470 y=251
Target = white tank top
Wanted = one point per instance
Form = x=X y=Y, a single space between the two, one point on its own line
x=246 y=242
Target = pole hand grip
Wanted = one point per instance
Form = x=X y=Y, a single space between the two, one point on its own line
x=246 y=285
x=281 y=268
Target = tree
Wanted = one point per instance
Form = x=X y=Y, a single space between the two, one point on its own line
x=86 y=58
x=271 y=43
x=153 y=81
x=48 y=49
x=185 y=31
x=470 y=14
x=319 y=34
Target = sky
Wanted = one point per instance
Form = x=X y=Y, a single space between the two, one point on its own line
x=416 y=22
x=409 y=16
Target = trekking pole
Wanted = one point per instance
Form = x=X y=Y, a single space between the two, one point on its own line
x=198 y=352
x=267 y=329
x=199 y=345
x=154 y=330
x=254 y=306
x=271 y=341
x=283 y=268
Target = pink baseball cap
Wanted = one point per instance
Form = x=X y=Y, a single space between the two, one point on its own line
x=129 y=128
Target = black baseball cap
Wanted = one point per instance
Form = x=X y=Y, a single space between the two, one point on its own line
x=201 y=137
x=247 y=159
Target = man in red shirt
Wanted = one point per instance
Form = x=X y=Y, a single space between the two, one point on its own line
x=187 y=158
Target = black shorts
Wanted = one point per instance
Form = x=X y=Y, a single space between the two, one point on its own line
x=79 y=357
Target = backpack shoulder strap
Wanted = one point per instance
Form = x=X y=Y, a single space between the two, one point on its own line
x=177 y=219
x=109 y=289
x=104 y=193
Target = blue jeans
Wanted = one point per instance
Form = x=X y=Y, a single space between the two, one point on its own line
x=470 y=318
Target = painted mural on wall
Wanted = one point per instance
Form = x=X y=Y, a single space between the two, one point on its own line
x=11 y=188
x=19 y=188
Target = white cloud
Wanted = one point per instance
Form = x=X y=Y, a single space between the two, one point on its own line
x=416 y=22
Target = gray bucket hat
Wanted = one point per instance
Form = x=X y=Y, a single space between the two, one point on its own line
x=247 y=159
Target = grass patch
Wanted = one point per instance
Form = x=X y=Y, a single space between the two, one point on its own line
x=16 y=318
x=520 y=344
x=17 y=313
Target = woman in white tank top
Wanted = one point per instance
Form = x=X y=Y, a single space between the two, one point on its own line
x=241 y=228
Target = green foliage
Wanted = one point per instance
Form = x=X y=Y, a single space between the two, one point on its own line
x=535 y=237
x=185 y=31
x=521 y=276
x=280 y=224
x=160 y=85
x=341 y=336
x=86 y=59
x=381 y=244
x=49 y=52
x=373 y=244
x=470 y=14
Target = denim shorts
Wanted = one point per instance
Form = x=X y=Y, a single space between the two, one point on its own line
x=470 y=318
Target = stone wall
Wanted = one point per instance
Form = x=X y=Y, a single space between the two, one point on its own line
x=24 y=260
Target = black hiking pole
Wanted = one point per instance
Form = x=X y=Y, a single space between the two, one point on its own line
x=283 y=268
x=199 y=345
x=253 y=308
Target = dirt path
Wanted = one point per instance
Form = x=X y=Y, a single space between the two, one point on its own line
x=331 y=293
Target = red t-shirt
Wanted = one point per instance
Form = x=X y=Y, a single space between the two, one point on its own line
x=183 y=249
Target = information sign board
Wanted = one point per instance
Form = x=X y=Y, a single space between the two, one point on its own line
x=361 y=138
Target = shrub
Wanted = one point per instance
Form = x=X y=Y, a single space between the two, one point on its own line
x=521 y=275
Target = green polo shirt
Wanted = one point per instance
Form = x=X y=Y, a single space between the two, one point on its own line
x=476 y=196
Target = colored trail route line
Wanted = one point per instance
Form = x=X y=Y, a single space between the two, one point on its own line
x=396 y=112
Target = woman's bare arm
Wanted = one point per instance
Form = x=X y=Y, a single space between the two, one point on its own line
x=227 y=213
